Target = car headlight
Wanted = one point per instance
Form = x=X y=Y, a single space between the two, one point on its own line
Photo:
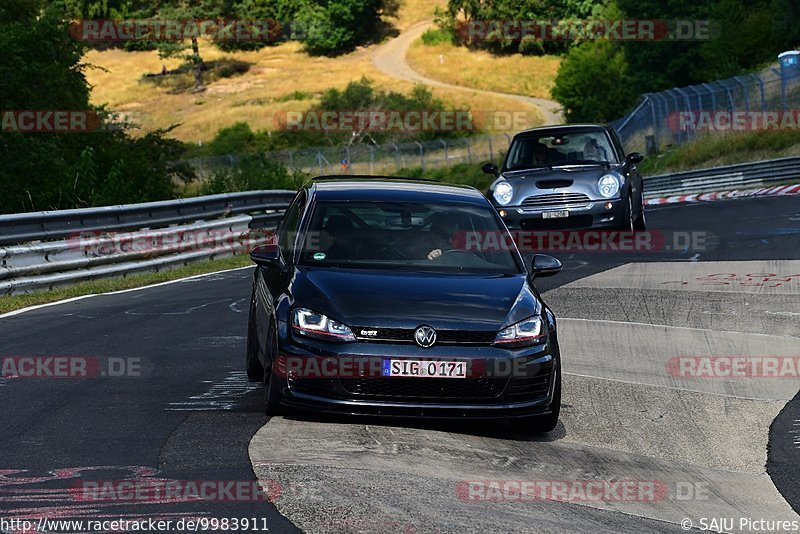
x=527 y=332
x=503 y=192
x=608 y=185
x=312 y=324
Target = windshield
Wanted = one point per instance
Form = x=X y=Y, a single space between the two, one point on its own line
x=408 y=236
x=548 y=150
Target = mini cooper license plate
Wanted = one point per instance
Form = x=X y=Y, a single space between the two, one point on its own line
x=555 y=214
x=424 y=369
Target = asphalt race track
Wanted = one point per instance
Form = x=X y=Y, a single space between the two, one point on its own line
x=627 y=320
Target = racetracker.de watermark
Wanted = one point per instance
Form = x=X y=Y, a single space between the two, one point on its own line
x=734 y=121
x=424 y=120
x=156 y=490
x=54 y=121
x=583 y=30
x=267 y=30
x=69 y=367
x=581 y=491
x=733 y=367
x=345 y=366
x=582 y=241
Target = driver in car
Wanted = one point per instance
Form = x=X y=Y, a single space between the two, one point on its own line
x=442 y=236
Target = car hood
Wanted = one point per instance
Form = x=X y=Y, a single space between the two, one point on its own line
x=394 y=299
x=577 y=179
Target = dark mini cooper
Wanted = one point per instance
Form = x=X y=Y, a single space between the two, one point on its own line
x=568 y=177
x=379 y=299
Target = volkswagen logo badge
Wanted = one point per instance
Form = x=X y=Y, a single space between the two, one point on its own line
x=425 y=336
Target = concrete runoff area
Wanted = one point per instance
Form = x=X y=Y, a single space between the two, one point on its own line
x=630 y=412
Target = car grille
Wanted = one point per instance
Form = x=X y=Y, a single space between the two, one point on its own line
x=555 y=200
x=443 y=337
x=425 y=388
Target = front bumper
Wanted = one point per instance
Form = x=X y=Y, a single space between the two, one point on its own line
x=591 y=215
x=503 y=383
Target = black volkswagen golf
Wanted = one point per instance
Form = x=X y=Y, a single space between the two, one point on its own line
x=387 y=296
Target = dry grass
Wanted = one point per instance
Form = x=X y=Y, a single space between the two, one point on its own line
x=261 y=94
x=517 y=74
x=413 y=11
x=255 y=97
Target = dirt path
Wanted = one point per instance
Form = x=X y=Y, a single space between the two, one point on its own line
x=391 y=60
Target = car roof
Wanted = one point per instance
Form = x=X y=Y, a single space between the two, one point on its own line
x=562 y=129
x=392 y=188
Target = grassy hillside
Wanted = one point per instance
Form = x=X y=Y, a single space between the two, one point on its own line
x=724 y=149
x=280 y=78
x=458 y=65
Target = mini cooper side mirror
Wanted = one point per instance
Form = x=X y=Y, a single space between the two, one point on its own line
x=266 y=255
x=490 y=168
x=634 y=158
x=544 y=265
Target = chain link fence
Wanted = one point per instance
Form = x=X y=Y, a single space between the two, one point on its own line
x=384 y=159
x=670 y=118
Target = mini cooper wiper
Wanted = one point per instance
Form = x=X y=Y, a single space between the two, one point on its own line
x=582 y=162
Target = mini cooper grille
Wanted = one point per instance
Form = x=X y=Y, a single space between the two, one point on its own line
x=425 y=388
x=443 y=337
x=555 y=199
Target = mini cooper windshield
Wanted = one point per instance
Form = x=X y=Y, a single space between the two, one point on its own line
x=566 y=149
x=407 y=236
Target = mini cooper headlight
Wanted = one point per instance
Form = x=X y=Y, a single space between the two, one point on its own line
x=312 y=324
x=503 y=192
x=527 y=332
x=608 y=185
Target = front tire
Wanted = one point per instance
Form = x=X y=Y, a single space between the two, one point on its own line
x=272 y=383
x=626 y=224
x=255 y=371
x=640 y=223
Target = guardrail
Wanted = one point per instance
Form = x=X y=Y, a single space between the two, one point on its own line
x=758 y=174
x=43 y=225
x=60 y=248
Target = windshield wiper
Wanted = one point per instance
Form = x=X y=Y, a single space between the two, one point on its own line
x=582 y=162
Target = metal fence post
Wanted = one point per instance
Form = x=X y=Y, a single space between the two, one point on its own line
x=446 y=156
x=371 y=159
x=396 y=156
x=761 y=90
x=745 y=92
x=491 y=151
x=509 y=138
x=319 y=162
x=688 y=108
x=421 y=155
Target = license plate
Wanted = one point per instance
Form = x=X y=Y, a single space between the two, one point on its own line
x=555 y=214
x=424 y=369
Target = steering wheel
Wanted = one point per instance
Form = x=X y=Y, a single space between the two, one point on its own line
x=392 y=248
x=454 y=251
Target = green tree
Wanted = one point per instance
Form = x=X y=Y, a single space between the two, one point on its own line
x=189 y=10
x=593 y=83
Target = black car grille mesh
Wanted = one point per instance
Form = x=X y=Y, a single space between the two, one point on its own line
x=425 y=388
x=443 y=337
x=555 y=199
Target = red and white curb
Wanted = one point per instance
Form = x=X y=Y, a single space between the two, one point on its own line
x=726 y=195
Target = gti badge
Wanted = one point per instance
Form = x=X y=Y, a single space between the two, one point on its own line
x=425 y=336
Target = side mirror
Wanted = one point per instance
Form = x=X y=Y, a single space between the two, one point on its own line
x=266 y=255
x=634 y=158
x=490 y=168
x=544 y=265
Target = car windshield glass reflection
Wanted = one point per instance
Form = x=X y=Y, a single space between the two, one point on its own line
x=546 y=151
x=408 y=236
